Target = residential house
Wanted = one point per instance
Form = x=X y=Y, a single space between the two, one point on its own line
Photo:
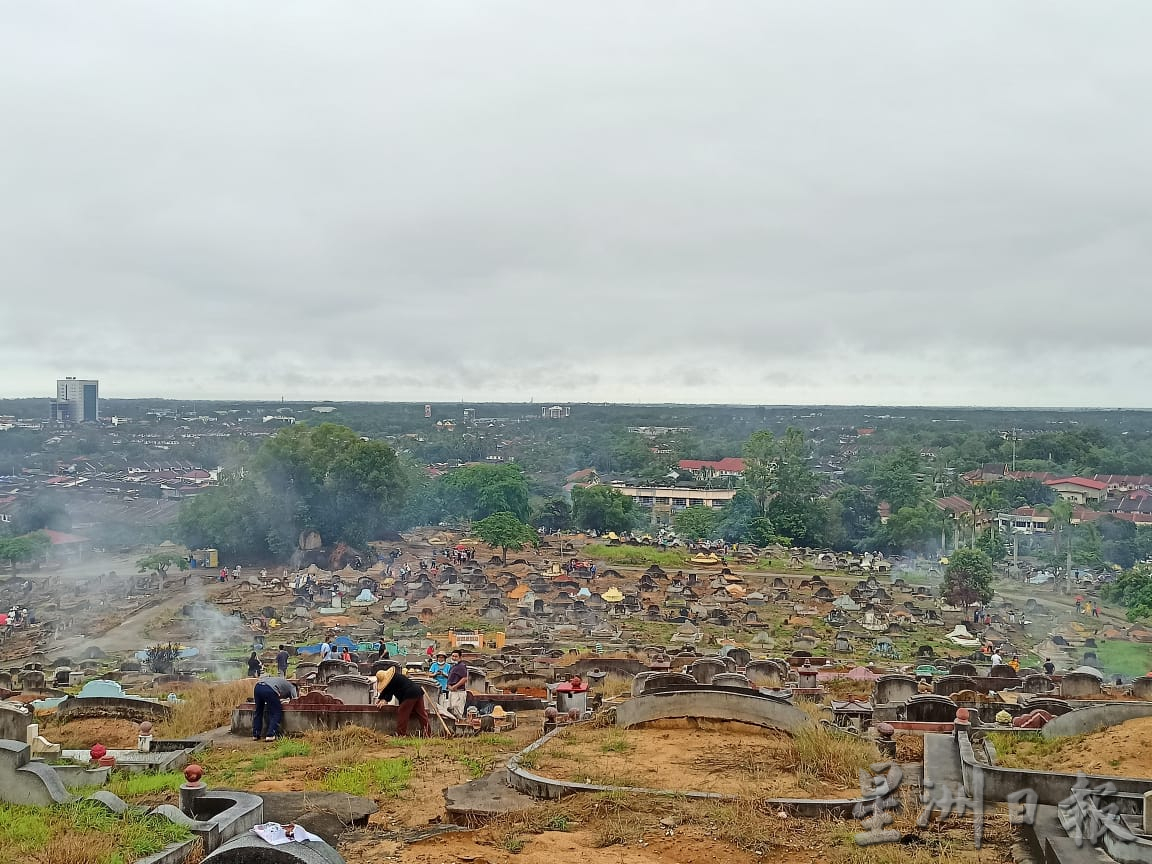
x=1079 y=490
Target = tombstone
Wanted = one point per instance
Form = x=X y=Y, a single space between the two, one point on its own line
x=1055 y=707
x=741 y=656
x=477 y=680
x=1040 y=684
x=946 y=685
x=706 y=668
x=5 y=680
x=1142 y=688
x=731 y=679
x=639 y=679
x=894 y=689
x=329 y=669
x=351 y=689
x=14 y=722
x=1089 y=659
x=929 y=708
x=1079 y=685
x=662 y=681
x=841 y=644
x=964 y=669
x=61 y=677
x=926 y=652
x=32 y=680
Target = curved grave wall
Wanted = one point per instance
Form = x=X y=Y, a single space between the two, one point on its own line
x=712 y=705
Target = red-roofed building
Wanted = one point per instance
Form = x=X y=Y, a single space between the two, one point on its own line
x=1079 y=490
x=729 y=466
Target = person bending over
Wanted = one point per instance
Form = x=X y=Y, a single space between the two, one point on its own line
x=391 y=684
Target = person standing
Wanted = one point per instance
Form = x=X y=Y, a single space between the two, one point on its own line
x=268 y=694
x=409 y=695
x=458 y=685
x=253 y=665
x=438 y=669
x=326 y=648
x=282 y=661
x=1049 y=666
x=997 y=660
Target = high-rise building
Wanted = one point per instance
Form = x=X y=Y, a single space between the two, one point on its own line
x=76 y=401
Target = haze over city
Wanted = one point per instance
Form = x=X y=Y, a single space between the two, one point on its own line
x=758 y=203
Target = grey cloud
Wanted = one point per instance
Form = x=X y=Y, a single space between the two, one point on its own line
x=739 y=202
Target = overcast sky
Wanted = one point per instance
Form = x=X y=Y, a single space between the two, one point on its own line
x=765 y=202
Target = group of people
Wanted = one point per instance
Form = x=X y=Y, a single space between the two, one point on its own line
x=449 y=670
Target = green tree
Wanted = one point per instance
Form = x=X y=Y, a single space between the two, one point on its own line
x=506 y=531
x=760 y=462
x=555 y=514
x=488 y=489
x=602 y=508
x=697 y=523
x=24 y=548
x=910 y=529
x=159 y=563
x=897 y=480
x=859 y=518
x=992 y=544
x=968 y=577
x=737 y=516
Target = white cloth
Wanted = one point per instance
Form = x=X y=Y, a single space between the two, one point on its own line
x=458 y=702
x=325 y=652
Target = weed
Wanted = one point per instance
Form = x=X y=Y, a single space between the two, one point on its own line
x=617 y=743
x=385 y=776
x=287 y=747
x=529 y=760
x=513 y=843
x=131 y=785
x=477 y=766
x=83 y=833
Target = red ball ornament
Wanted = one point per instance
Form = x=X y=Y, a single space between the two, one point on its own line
x=193 y=773
x=98 y=752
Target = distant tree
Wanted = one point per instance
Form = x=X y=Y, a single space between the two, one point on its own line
x=859 y=518
x=910 y=529
x=488 y=489
x=737 y=516
x=555 y=514
x=760 y=463
x=992 y=544
x=697 y=523
x=602 y=508
x=897 y=481
x=763 y=533
x=24 y=548
x=505 y=531
x=968 y=578
x=159 y=563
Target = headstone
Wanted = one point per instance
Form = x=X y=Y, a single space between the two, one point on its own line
x=1142 y=688
x=351 y=689
x=894 y=689
x=927 y=708
x=706 y=668
x=1079 y=685
x=731 y=679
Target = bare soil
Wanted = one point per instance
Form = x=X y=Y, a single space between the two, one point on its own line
x=1121 y=751
x=686 y=755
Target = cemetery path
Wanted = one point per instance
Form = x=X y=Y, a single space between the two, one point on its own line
x=139 y=629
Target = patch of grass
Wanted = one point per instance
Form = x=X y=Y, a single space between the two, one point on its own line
x=529 y=760
x=376 y=776
x=129 y=785
x=288 y=747
x=820 y=755
x=617 y=743
x=477 y=766
x=82 y=833
x=636 y=556
x=1029 y=749
x=512 y=843
x=204 y=707
x=1124 y=658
